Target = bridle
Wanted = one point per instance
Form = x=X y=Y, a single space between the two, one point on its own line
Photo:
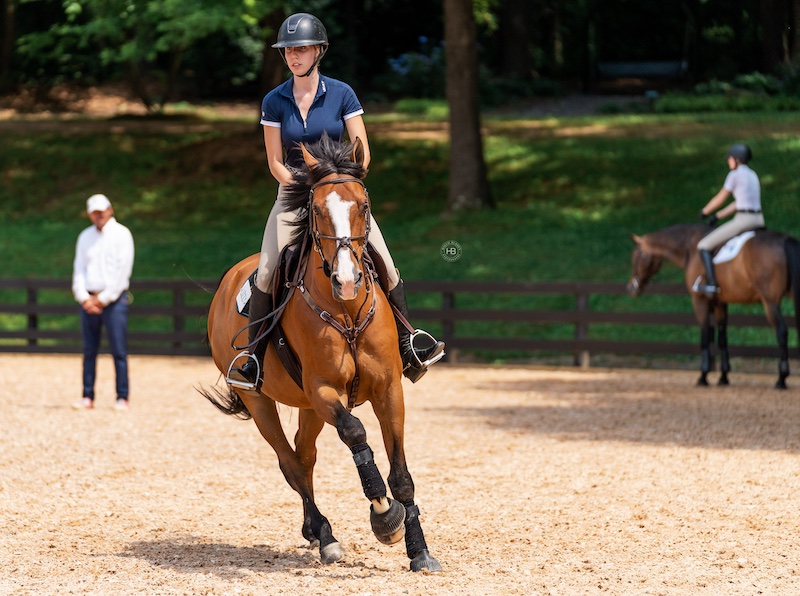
x=352 y=327
x=341 y=241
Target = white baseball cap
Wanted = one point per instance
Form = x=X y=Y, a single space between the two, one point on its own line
x=97 y=203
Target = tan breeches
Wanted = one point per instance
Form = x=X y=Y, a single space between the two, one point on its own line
x=278 y=231
x=741 y=222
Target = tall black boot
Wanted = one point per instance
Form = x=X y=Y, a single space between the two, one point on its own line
x=710 y=288
x=417 y=352
x=260 y=307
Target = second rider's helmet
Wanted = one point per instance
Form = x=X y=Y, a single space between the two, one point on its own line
x=741 y=152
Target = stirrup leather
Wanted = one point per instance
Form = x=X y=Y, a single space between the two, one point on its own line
x=239 y=384
x=432 y=340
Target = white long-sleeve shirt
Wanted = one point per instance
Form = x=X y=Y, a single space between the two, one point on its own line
x=103 y=262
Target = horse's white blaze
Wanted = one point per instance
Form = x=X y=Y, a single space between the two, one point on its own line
x=345 y=271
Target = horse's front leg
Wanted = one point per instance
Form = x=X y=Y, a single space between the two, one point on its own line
x=775 y=318
x=701 y=311
x=296 y=469
x=391 y=415
x=315 y=526
x=721 y=317
x=387 y=515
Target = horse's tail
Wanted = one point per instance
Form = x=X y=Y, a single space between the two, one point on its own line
x=228 y=402
x=792 y=249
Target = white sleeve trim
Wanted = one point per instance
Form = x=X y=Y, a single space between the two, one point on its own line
x=353 y=114
x=272 y=124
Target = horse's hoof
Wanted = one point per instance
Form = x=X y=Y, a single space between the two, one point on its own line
x=702 y=382
x=389 y=527
x=425 y=562
x=781 y=384
x=723 y=381
x=331 y=553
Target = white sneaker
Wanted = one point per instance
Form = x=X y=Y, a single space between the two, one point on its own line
x=122 y=405
x=85 y=403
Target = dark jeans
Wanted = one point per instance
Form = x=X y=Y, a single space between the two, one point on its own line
x=115 y=319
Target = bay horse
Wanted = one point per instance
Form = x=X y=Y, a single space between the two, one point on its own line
x=766 y=269
x=340 y=326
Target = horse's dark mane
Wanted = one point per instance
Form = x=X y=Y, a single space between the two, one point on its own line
x=676 y=242
x=333 y=158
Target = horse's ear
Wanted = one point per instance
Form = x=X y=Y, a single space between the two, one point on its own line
x=635 y=238
x=310 y=160
x=358 y=152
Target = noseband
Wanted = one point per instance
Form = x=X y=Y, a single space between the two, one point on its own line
x=341 y=241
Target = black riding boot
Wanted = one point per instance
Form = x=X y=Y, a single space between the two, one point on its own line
x=260 y=307
x=419 y=352
x=709 y=288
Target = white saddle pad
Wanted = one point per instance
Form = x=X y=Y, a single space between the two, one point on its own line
x=732 y=247
x=243 y=297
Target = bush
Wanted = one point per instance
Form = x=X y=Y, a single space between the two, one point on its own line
x=416 y=74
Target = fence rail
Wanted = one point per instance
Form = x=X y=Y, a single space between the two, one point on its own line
x=168 y=317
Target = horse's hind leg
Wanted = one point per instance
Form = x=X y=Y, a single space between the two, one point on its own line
x=297 y=471
x=775 y=318
x=721 y=317
x=706 y=362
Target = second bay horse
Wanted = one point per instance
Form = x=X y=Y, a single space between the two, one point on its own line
x=766 y=269
x=340 y=327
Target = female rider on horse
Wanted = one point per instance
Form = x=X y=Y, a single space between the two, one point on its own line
x=743 y=184
x=302 y=110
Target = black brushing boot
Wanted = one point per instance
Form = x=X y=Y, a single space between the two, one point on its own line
x=419 y=351
x=247 y=377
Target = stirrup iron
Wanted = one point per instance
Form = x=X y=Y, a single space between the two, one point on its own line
x=239 y=384
x=707 y=290
x=425 y=335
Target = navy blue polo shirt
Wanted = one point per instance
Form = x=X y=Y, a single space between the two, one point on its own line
x=334 y=103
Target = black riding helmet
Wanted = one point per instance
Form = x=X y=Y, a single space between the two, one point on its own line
x=302 y=29
x=741 y=152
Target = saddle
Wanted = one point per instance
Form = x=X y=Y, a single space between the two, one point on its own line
x=282 y=289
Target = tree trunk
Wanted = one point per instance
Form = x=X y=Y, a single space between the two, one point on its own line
x=774 y=44
x=794 y=45
x=516 y=40
x=9 y=38
x=272 y=65
x=469 y=185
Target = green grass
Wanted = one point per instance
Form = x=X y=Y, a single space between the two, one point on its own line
x=568 y=193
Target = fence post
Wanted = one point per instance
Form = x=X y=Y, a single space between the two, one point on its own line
x=33 y=318
x=178 y=319
x=581 y=329
x=449 y=327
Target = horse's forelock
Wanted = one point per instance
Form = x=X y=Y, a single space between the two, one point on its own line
x=332 y=158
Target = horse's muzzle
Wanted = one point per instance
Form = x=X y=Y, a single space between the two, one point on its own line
x=348 y=289
x=634 y=287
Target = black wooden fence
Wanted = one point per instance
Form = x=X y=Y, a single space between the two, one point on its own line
x=168 y=317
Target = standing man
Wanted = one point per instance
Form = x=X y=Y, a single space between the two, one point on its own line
x=100 y=279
